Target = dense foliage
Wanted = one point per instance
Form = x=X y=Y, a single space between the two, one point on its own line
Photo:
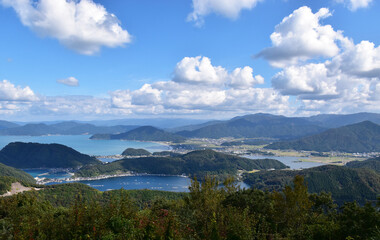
x=145 y=133
x=372 y=163
x=135 y=152
x=9 y=175
x=360 y=137
x=207 y=212
x=35 y=155
x=345 y=184
x=197 y=163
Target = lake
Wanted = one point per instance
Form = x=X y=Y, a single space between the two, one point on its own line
x=83 y=144
x=292 y=162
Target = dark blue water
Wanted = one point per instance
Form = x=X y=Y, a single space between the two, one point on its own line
x=163 y=183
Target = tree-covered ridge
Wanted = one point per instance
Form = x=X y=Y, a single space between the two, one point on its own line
x=197 y=163
x=360 y=137
x=145 y=133
x=135 y=152
x=345 y=184
x=207 y=212
x=36 y=155
x=372 y=163
x=9 y=175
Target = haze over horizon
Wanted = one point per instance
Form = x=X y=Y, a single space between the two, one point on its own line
x=201 y=59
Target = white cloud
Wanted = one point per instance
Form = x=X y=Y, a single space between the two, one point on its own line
x=308 y=82
x=83 y=26
x=9 y=92
x=198 y=86
x=355 y=4
x=199 y=70
x=70 y=81
x=146 y=95
x=242 y=78
x=228 y=8
x=300 y=36
x=361 y=60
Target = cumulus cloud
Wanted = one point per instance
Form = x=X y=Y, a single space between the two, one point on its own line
x=228 y=8
x=308 y=82
x=199 y=86
x=300 y=36
x=70 y=81
x=83 y=26
x=355 y=4
x=10 y=92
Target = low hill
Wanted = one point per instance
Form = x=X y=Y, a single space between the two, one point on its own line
x=372 y=163
x=360 y=137
x=145 y=133
x=9 y=175
x=345 y=184
x=35 y=155
x=196 y=163
x=135 y=152
x=255 y=126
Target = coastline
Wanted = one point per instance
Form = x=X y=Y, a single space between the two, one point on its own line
x=44 y=181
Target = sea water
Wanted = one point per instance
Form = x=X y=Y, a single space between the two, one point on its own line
x=83 y=144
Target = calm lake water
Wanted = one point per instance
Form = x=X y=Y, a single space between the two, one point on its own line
x=292 y=162
x=83 y=144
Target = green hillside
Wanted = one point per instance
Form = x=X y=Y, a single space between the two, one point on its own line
x=196 y=163
x=135 y=152
x=372 y=163
x=145 y=133
x=35 y=155
x=360 y=137
x=345 y=184
x=9 y=175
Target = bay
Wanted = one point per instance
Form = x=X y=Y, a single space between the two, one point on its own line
x=292 y=162
x=83 y=144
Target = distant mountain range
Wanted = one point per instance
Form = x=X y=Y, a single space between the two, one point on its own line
x=145 y=133
x=258 y=125
x=359 y=137
x=36 y=155
x=63 y=128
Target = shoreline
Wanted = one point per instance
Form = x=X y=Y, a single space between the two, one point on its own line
x=44 y=181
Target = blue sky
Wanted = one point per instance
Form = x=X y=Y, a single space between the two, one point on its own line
x=103 y=59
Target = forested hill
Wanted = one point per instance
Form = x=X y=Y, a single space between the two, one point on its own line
x=135 y=152
x=344 y=183
x=257 y=125
x=360 y=137
x=7 y=171
x=35 y=155
x=196 y=163
x=372 y=163
x=9 y=175
x=145 y=133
